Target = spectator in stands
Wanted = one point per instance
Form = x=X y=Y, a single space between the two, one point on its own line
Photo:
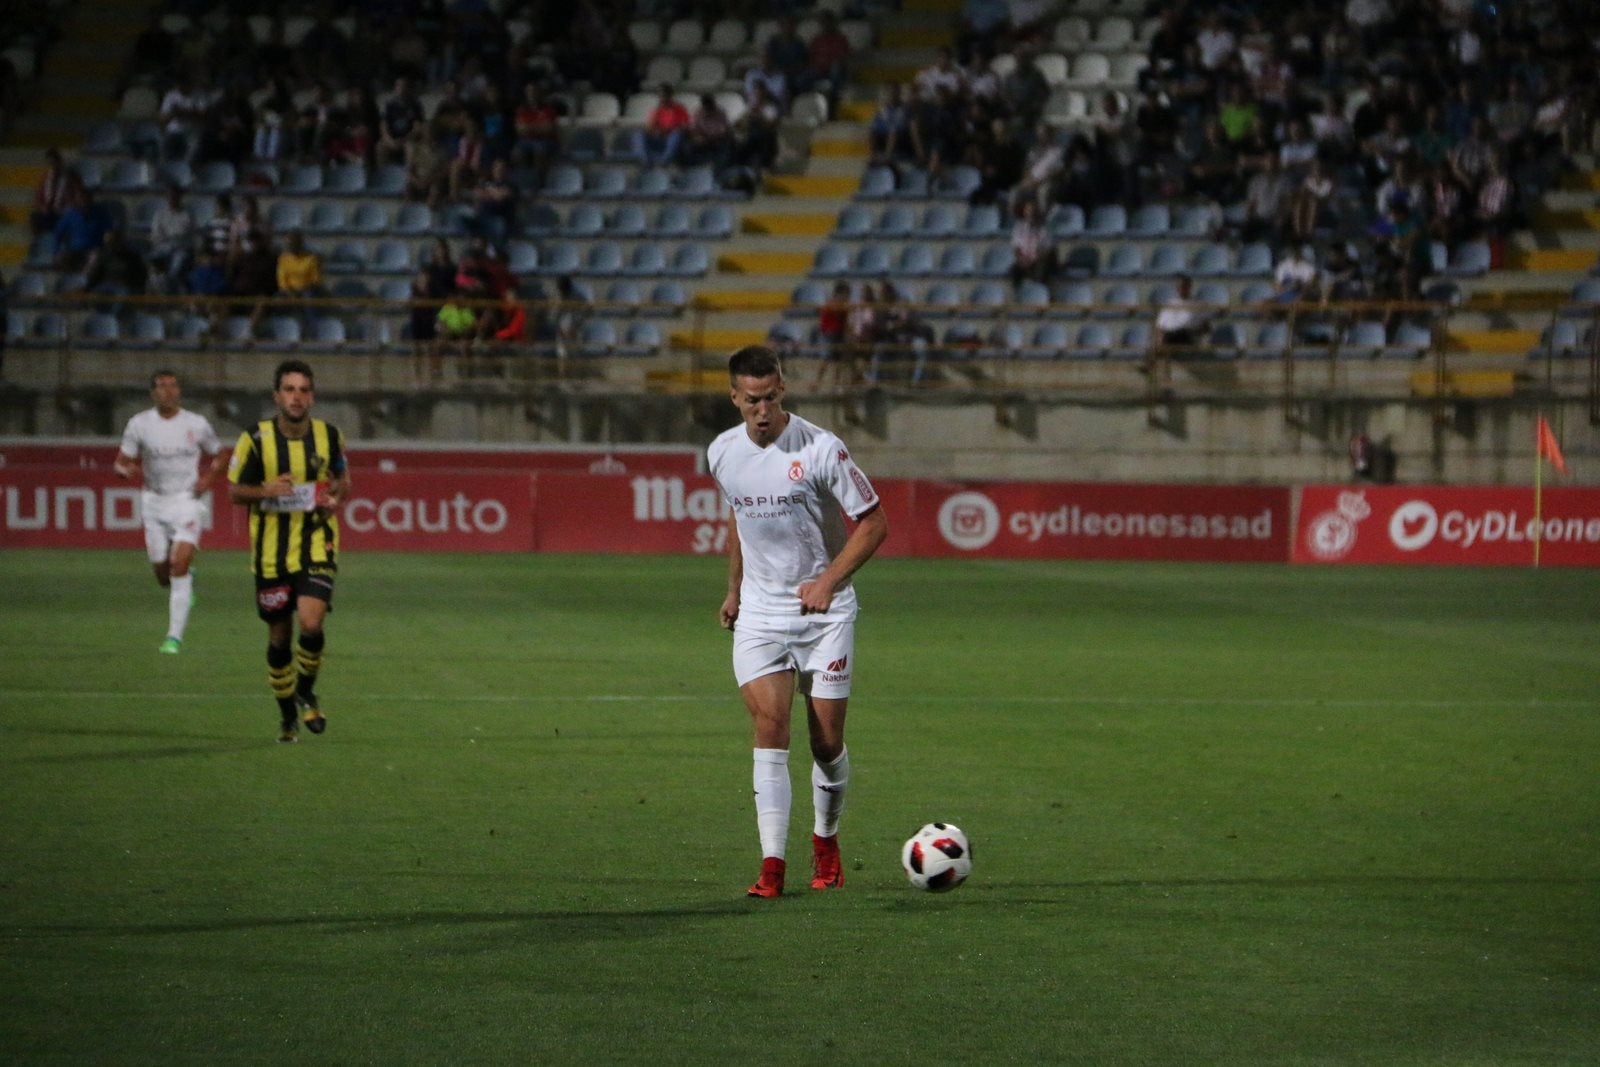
x=768 y=79
x=427 y=170
x=253 y=272
x=538 y=131
x=172 y=236
x=1213 y=169
x=903 y=340
x=246 y=223
x=828 y=58
x=942 y=76
x=756 y=134
x=889 y=134
x=565 y=315
x=116 y=267
x=468 y=164
x=1312 y=202
x=999 y=163
x=207 y=278
x=354 y=132
x=661 y=138
x=1267 y=199
x=80 y=231
x=183 y=114
x=1033 y=253
x=273 y=117
x=495 y=215
x=832 y=335
x=440 y=266
x=1180 y=324
x=423 y=316
x=314 y=125
x=1044 y=164
x=299 y=269
x=457 y=325
x=53 y=192
x=494 y=119
x=861 y=331
x=229 y=128
x=709 y=138
x=402 y=113
x=511 y=321
x=1295 y=277
x=982 y=26
x=1024 y=93
x=1399 y=186
x=787 y=54
x=1470 y=158
x=1495 y=206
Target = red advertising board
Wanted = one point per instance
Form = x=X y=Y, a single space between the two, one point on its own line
x=425 y=511
x=661 y=513
x=1474 y=525
x=1064 y=520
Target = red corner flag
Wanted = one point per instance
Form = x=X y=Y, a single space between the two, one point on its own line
x=1548 y=448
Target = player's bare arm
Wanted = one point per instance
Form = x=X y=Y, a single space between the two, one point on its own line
x=282 y=485
x=218 y=464
x=816 y=595
x=125 y=467
x=730 y=603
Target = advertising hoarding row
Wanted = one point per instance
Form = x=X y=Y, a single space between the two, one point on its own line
x=469 y=506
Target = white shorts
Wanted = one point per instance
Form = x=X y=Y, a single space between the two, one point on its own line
x=169 y=520
x=820 y=651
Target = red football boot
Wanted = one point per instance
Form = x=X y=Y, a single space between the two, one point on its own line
x=828 y=871
x=770 y=884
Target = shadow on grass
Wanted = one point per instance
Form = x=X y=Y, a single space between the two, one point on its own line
x=209 y=744
x=986 y=894
x=575 y=925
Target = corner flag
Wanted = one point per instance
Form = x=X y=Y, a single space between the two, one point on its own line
x=1548 y=448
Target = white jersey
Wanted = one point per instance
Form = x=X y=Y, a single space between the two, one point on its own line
x=169 y=449
x=786 y=501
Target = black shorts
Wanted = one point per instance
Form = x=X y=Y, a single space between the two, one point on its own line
x=276 y=598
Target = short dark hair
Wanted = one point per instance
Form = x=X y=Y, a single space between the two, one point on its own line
x=292 y=366
x=754 y=361
x=160 y=374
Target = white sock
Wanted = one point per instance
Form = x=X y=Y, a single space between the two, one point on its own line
x=178 y=598
x=827 y=792
x=773 y=797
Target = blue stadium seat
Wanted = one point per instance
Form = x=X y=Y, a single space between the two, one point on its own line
x=876 y=183
x=1271 y=341
x=28 y=287
x=653 y=183
x=1224 y=341
x=854 y=221
x=564 y=181
x=392 y=257
x=100 y=328
x=985 y=299
x=304 y=180
x=280 y=330
x=1469 y=260
x=672 y=220
x=1118 y=300
x=689 y=261
x=1034 y=296
x=1050 y=340
x=628 y=220
x=832 y=261
x=643 y=339
x=1410 y=341
x=870 y=261
x=146 y=330
x=1364 y=340
x=1126 y=261
x=1107 y=220
x=938 y=221
x=326 y=216
x=625 y=295
x=1194 y=222
x=666 y=299
x=648 y=259
x=897 y=220
x=956 y=183
x=1151 y=220
x=983 y=220
x=523 y=258
x=414 y=220
x=1167 y=261
x=805 y=299
x=1066 y=220
x=540 y=220
x=326 y=331
x=1255 y=260
x=604 y=259
x=585 y=144
x=1092 y=341
x=558 y=258
x=597 y=337
x=346 y=257
x=355 y=289
x=1134 y=342
x=916 y=261
x=1071 y=298
x=1210 y=261
x=715 y=220
x=696 y=183
x=585 y=220
x=1005 y=339
x=997 y=261
x=285 y=215
x=957 y=261
x=389 y=180
x=345 y=179
x=370 y=218
x=942 y=298
x=1213 y=293
x=607 y=183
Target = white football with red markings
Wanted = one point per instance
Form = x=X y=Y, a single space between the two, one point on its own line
x=937 y=858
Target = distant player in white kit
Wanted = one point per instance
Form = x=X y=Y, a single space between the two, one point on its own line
x=790 y=604
x=166 y=443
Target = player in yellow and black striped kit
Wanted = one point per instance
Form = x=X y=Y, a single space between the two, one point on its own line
x=290 y=472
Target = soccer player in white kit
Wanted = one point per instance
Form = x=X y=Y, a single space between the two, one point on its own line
x=166 y=443
x=790 y=603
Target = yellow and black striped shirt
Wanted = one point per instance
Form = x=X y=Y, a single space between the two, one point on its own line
x=290 y=534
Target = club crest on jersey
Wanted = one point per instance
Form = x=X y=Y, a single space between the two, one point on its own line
x=796 y=471
x=844 y=457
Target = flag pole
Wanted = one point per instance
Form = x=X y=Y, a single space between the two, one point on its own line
x=1538 y=475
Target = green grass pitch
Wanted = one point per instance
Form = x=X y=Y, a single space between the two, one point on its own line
x=1221 y=814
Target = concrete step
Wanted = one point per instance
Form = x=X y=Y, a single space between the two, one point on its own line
x=1551 y=259
x=786 y=263
x=743 y=300
x=837 y=166
x=921 y=33
x=724 y=340
x=853 y=148
x=1484 y=342
x=832 y=185
x=1586 y=180
x=1465 y=383
x=812 y=224
x=856 y=110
